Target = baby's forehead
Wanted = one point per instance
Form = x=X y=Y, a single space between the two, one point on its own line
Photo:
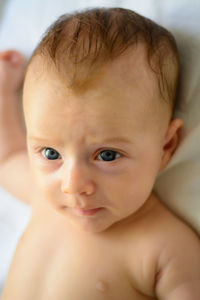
x=126 y=77
x=122 y=72
x=111 y=101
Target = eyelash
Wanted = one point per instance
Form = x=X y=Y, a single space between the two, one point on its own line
x=104 y=150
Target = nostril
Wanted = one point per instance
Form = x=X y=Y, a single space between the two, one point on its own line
x=63 y=206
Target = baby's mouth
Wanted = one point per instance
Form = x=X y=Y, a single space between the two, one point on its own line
x=87 y=212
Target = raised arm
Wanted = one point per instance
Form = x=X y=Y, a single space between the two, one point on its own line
x=15 y=176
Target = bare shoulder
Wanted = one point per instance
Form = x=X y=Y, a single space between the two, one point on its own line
x=176 y=239
x=167 y=251
x=178 y=264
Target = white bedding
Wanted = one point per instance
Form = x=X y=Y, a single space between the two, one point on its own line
x=22 y=23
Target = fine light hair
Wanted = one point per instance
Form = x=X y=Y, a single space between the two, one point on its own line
x=80 y=43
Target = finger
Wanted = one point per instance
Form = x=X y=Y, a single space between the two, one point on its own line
x=12 y=56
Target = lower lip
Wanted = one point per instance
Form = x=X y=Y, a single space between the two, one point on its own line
x=88 y=212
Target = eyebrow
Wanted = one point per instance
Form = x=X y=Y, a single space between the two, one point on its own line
x=108 y=140
x=39 y=139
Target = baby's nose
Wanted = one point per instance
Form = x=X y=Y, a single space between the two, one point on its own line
x=76 y=180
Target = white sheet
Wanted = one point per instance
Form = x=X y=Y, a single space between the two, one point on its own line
x=21 y=27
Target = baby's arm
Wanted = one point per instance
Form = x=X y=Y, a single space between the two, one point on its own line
x=14 y=168
x=179 y=277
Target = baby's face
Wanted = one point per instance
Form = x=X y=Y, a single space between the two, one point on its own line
x=101 y=149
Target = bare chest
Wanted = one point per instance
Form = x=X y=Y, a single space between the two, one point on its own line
x=48 y=266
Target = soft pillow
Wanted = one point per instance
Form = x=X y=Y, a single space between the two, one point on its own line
x=179 y=184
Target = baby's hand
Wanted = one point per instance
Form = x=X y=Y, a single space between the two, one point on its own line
x=12 y=69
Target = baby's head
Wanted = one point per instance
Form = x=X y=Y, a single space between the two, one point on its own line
x=98 y=100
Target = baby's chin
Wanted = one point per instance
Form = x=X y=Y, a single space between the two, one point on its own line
x=89 y=226
x=94 y=225
x=102 y=222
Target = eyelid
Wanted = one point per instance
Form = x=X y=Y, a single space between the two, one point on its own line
x=109 y=149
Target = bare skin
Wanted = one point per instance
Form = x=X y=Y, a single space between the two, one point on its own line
x=145 y=255
x=13 y=150
x=12 y=68
x=55 y=261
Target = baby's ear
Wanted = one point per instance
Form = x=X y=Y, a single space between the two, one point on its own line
x=172 y=138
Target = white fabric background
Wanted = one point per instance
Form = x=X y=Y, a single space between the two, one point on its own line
x=22 y=23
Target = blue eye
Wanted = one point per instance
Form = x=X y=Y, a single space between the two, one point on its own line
x=50 y=153
x=108 y=155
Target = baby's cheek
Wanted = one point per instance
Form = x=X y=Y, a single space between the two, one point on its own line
x=50 y=190
x=44 y=181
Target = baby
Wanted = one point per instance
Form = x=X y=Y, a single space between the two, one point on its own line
x=98 y=98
